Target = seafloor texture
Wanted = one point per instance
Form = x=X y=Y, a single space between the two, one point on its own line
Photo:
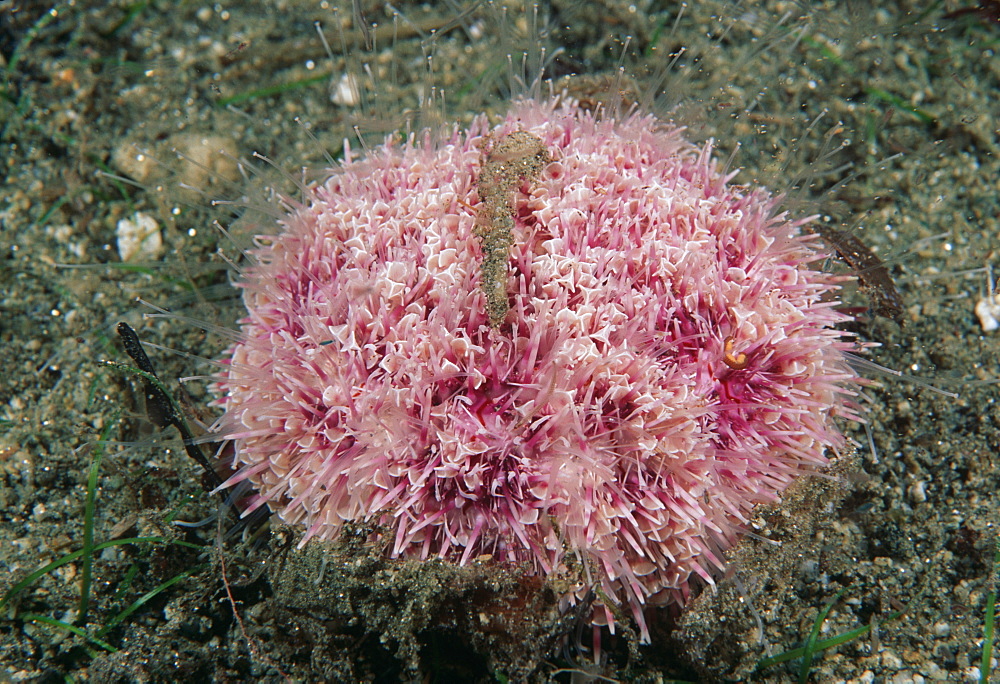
x=901 y=540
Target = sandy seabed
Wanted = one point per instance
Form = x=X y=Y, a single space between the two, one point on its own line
x=909 y=92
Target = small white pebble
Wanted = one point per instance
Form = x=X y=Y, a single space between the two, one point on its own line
x=891 y=661
x=970 y=674
x=988 y=313
x=935 y=672
x=139 y=238
x=988 y=307
x=345 y=92
x=942 y=629
x=916 y=492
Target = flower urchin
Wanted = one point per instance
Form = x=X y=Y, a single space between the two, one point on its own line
x=669 y=359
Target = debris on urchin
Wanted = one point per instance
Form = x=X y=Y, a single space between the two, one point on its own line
x=667 y=357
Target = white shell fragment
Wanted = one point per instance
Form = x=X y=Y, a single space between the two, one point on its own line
x=345 y=92
x=139 y=238
x=988 y=312
x=988 y=307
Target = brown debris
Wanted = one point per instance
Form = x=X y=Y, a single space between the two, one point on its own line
x=513 y=158
x=873 y=276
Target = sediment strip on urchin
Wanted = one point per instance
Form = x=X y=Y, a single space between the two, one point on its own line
x=670 y=357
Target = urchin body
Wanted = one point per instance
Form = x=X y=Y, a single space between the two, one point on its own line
x=669 y=358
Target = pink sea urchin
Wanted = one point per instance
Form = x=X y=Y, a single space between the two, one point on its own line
x=668 y=360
